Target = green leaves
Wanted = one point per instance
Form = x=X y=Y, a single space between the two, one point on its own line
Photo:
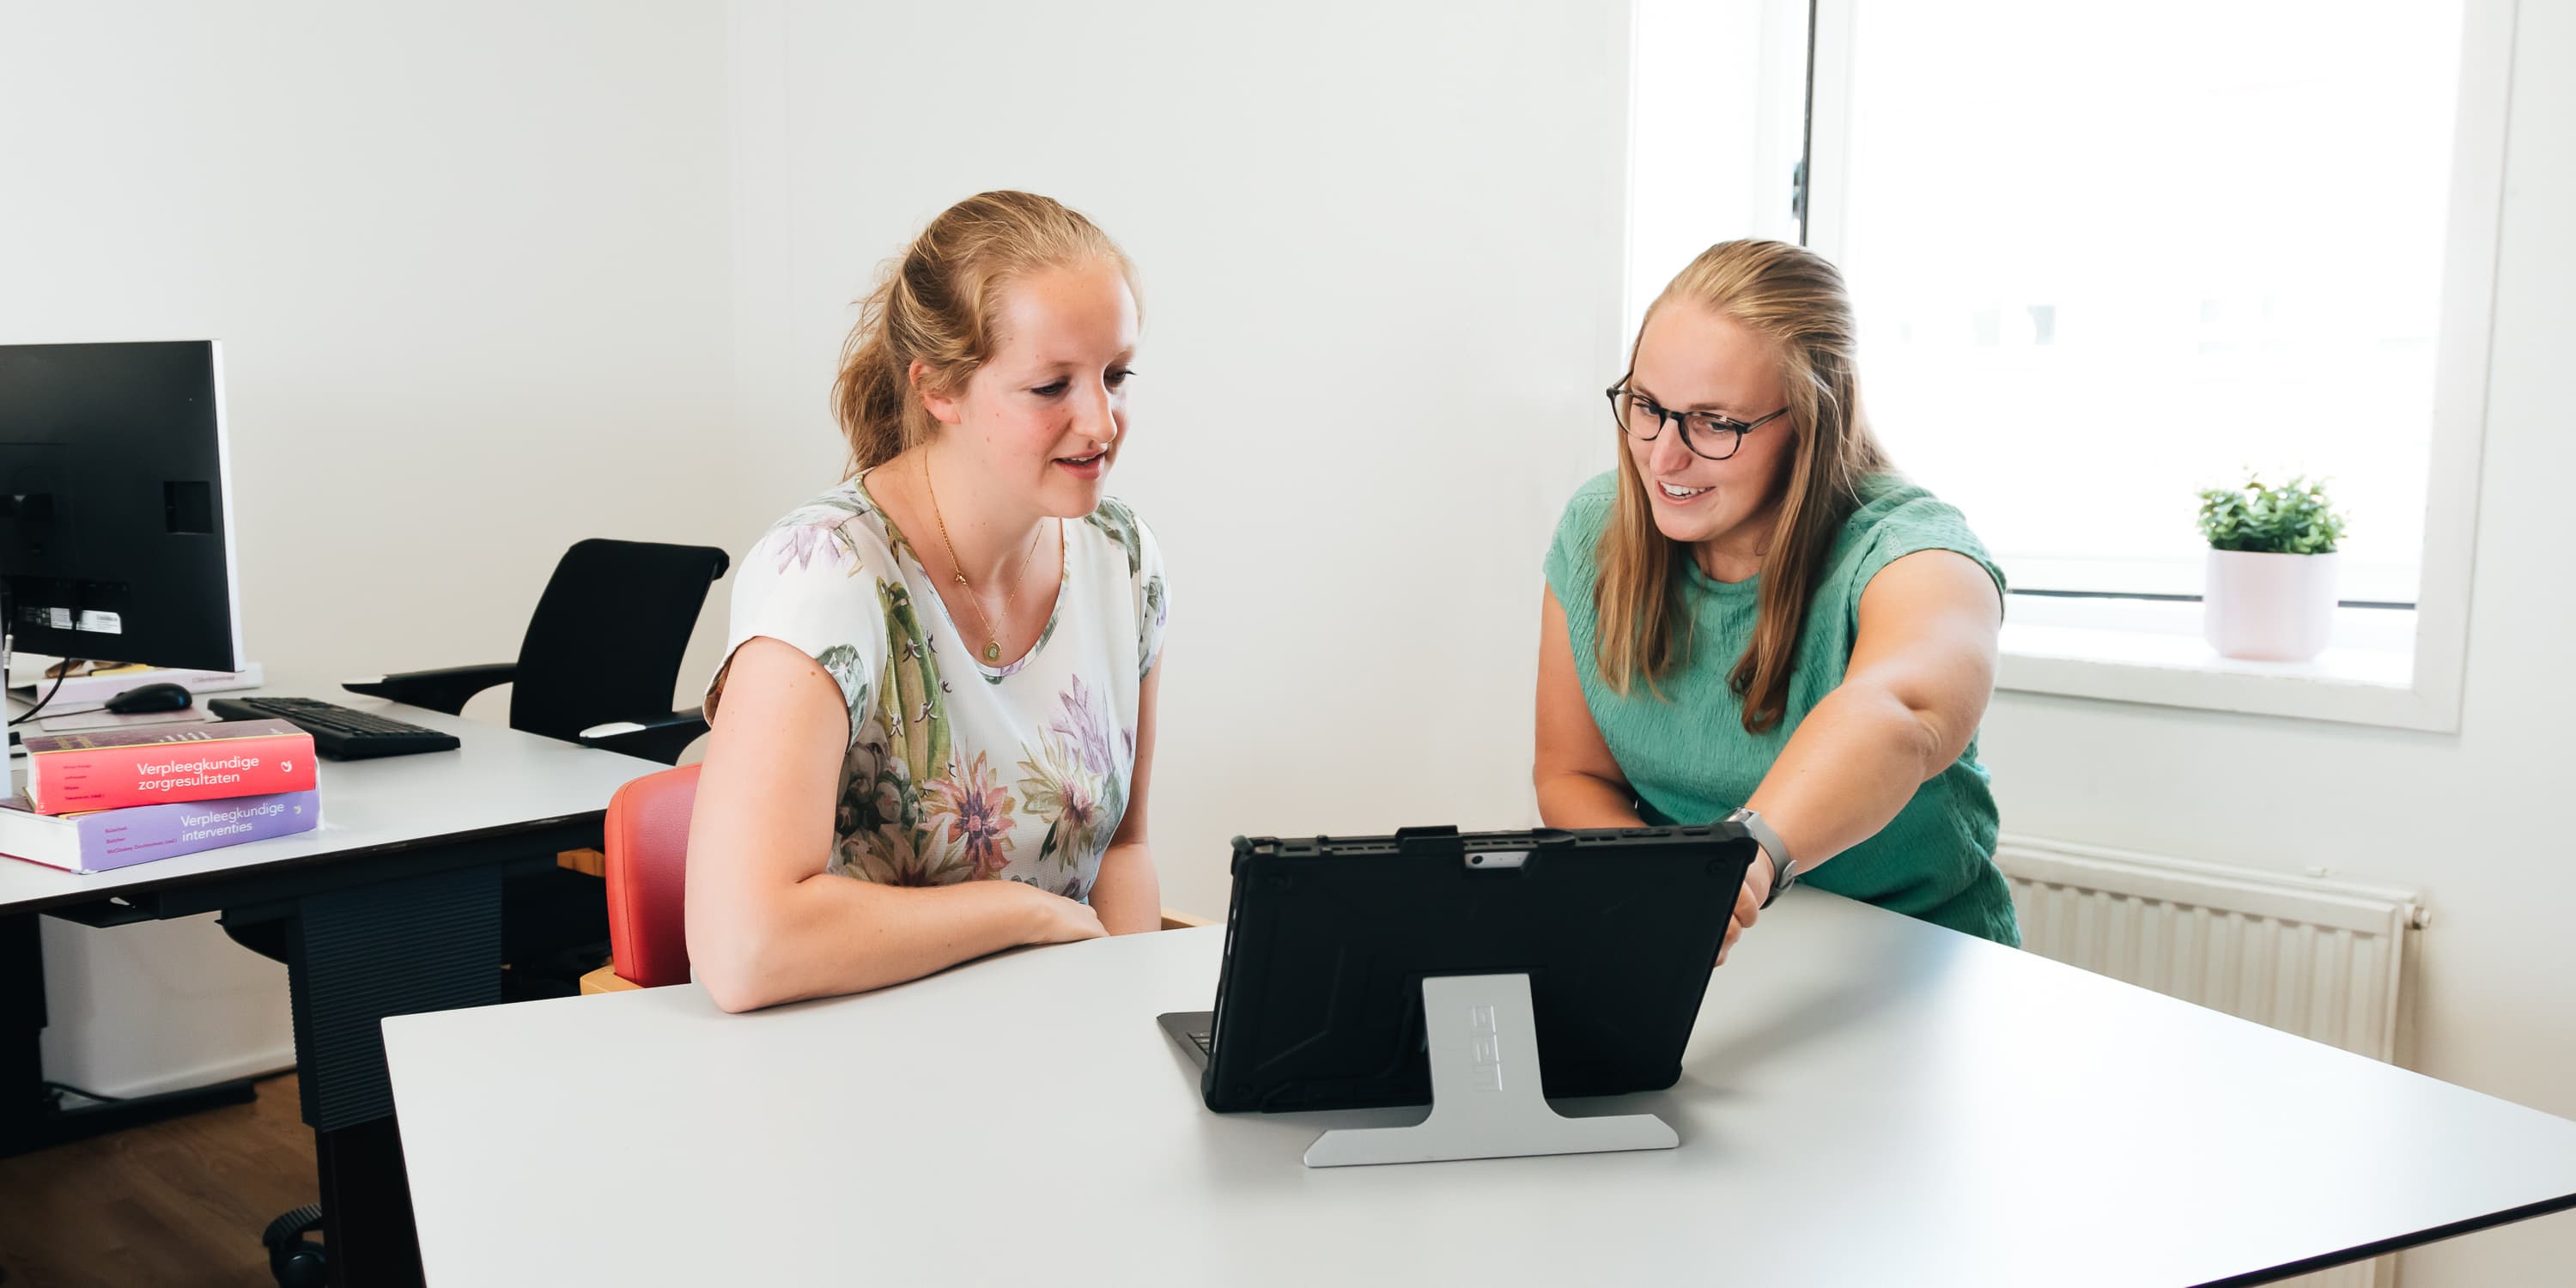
x=2293 y=519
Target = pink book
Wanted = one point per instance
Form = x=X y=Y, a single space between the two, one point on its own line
x=114 y=769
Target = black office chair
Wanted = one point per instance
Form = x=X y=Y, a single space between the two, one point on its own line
x=601 y=655
x=597 y=667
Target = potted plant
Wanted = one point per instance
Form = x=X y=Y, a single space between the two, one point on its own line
x=2271 y=593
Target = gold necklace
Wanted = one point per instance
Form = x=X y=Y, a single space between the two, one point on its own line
x=1010 y=594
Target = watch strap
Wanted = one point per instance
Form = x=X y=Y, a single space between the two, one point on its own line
x=1784 y=870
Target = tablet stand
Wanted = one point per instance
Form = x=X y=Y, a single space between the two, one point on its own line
x=1485 y=1100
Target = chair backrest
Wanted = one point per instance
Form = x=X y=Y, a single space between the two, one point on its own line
x=648 y=862
x=605 y=642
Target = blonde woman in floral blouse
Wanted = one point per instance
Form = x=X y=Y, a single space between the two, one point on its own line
x=935 y=724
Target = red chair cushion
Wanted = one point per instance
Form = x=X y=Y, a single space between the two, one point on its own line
x=648 y=858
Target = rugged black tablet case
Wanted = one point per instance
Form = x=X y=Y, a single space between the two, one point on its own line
x=1320 y=1002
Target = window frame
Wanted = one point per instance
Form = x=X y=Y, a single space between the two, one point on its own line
x=2055 y=661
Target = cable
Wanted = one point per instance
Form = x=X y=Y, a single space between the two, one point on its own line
x=60 y=670
x=85 y=1095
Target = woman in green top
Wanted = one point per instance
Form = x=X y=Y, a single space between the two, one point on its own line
x=1755 y=612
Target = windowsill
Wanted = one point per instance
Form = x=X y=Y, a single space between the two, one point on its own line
x=2152 y=653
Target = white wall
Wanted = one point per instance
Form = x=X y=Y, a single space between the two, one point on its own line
x=469 y=265
x=1380 y=247
x=492 y=278
x=2478 y=821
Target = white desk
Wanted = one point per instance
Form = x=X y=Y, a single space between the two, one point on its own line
x=393 y=906
x=500 y=780
x=1866 y=1101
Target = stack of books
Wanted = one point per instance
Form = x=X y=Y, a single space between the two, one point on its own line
x=96 y=801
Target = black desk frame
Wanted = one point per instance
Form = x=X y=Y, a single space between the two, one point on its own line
x=375 y=932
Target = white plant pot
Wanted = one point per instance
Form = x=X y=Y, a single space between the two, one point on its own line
x=2269 y=608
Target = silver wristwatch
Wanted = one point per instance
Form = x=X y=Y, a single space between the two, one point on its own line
x=1784 y=870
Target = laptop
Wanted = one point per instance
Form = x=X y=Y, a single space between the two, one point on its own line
x=1329 y=940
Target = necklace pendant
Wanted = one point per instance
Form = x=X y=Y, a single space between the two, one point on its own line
x=992 y=650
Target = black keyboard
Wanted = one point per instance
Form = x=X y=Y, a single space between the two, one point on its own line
x=338 y=732
x=1194 y=1030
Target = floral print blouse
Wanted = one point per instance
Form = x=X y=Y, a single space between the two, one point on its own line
x=957 y=771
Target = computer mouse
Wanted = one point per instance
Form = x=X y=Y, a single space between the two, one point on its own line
x=150 y=698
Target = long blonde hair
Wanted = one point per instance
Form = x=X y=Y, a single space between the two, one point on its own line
x=1795 y=299
x=936 y=304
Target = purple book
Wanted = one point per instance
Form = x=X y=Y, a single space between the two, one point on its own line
x=116 y=838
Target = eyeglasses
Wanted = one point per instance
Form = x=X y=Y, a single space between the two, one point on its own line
x=1706 y=433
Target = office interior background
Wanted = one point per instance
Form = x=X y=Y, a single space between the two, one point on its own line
x=495 y=277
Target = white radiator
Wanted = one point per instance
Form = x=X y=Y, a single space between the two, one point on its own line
x=2323 y=959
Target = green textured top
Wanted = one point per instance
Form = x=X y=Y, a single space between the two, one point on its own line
x=1687 y=754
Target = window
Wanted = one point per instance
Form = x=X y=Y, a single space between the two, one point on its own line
x=2151 y=251
x=2103 y=257
x=1717 y=132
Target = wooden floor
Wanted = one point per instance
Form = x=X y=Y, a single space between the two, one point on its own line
x=177 y=1202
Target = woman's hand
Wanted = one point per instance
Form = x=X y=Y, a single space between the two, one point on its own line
x=1054 y=919
x=1749 y=898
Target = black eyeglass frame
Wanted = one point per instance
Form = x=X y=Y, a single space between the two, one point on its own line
x=1713 y=424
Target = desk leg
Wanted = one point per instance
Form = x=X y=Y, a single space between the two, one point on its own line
x=24 y=1100
x=367 y=1232
x=355 y=956
x=31 y=1116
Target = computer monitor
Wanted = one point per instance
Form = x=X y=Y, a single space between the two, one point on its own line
x=115 y=506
